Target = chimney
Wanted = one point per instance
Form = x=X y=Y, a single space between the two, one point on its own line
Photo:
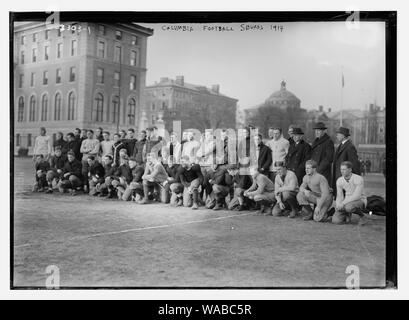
x=180 y=80
x=216 y=88
x=321 y=108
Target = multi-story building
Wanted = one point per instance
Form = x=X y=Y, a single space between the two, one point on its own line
x=195 y=106
x=84 y=75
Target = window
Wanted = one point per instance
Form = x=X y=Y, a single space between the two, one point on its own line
x=153 y=107
x=34 y=55
x=153 y=119
x=71 y=106
x=21 y=81
x=72 y=74
x=134 y=40
x=58 y=76
x=32 y=109
x=132 y=83
x=116 y=79
x=20 y=111
x=98 y=108
x=59 y=50
x=100 y=75
x=73 y=47
x=47 y=34
x=32 y=80
x=115 y=109
x=45 y=77
x=29 y=140
x=101 y=29
x=117 y=54
x=23 y=40
x=131 y=111
x=17 y=140
x=57 y=107
x=101 y=49
x=44 y=108
x=163 y=105
x=46 y=52
x=134 y=58
x=22 y=57
x=35 y=38
x=118 y=35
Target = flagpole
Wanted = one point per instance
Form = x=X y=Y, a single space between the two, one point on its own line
x=342 y=96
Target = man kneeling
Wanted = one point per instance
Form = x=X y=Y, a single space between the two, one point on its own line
x=261 y=191
x=314 y=190
x=72 y=175
x=354 y=200
x=286 y=188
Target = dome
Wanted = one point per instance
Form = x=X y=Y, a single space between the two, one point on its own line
x=282 y=95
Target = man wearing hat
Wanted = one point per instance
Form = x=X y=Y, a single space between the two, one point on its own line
x=322 y=151
x=345 y=151
x=298 y=153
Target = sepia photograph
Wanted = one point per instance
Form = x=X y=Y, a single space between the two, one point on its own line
x=203 y=150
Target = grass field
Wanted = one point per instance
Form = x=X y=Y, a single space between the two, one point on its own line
x=107 y=243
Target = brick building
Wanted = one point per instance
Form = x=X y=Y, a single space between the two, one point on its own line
x=84 y=75
x=195 y=106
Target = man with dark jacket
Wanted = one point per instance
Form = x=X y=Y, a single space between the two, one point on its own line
x=191 y=178
x=116 y=148
x=123 y=175
x=59 y=141
x=322 y=151
x=239 y=183
x=173 y=184
x=95 y=175
x=42 y=166
x=72 y=174
x=345 y=151
x=105 y=188
x=57 y=163
x=216 y=184
x=130 y=141
x=298 y=153
x=73 y=144
x=262 y=154
x=139 y=151
x=134 y=189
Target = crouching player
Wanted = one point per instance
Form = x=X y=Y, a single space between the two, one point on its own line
x=191 y=178
x=55 y=173
x=96 y=174
x=286 y=189
x=217 y=186
x=154 y=177
x=354 y=200
x=106 y=189
x=239 y=183
x=42 y=167
x=134 y=190
x=72 y=175
x=314 y=190
x=122 y=176
x=261 y=191
x=173 y=184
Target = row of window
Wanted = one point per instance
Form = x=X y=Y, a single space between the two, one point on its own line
x=118 y=35
x=98 y=112
x=32 y=116
x=58 y=77
x=117 y=79
x=34 y=52
x=118 y=54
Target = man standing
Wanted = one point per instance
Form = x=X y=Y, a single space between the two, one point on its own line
x=154 y=177
x=350 y=196
x=291 y=134
x=106 y=145
x=345 y=151
x=262 y=154
x=72 y=175
x=285 y=189
x=261 y=191
x=89 y=147
x=191 y=177
x=279 y=149
x=298 y=153
x=314 y=190
x=138 y=152
x=42 y=145
x=190 y=147
x=116 y=148
x=73 y=145
x=98 y=134
x=322 y=151
x=130 y=141
x=59 y=141
x=174 y=147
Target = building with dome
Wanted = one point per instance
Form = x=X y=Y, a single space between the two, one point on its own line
x=281 y=99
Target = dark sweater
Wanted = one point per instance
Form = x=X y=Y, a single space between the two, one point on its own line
x=187 y=176
x=173 y=172
x=57 y=162
x=124 y=171
x=74 y=167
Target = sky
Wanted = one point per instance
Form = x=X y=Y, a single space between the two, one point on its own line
x=250 y=62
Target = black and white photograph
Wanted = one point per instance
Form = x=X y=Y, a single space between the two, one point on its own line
x=200 y=150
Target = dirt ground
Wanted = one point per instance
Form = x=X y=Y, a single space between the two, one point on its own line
x=109 y=243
